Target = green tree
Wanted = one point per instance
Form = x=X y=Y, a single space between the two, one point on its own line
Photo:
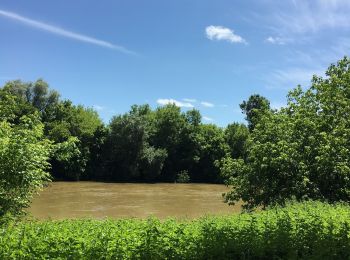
x=73 y=129
x=168 y=125
x=254 y=108
x=212 y=148
x=24 y=154
x=236 y=136
x=302 y=151
x=37 y=94
x=129 y=156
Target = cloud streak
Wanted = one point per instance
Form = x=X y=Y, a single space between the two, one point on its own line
x=275 y=40
x=222 y=33
x=166 y=101
x=206 y=118
x=291 y=77
x=305 y=17
x=98 y=107
x=207 y=104
x=191 y=100
x=63 y=32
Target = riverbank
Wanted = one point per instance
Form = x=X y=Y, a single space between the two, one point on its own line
x=310 y=230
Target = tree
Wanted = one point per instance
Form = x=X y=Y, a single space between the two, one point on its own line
x=73 y=130
x=128 y=153
x=193 y=117
x=68 y=162
x=236 y=136
x=254 y=108
x=169 y=124
x=212 y=148
x=24 y=154
x=37 y=94
x=302 y=151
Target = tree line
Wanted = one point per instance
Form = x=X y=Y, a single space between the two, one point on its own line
x=299 y=152
x=142 y=145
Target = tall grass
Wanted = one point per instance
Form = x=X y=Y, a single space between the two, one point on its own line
x=309 y=230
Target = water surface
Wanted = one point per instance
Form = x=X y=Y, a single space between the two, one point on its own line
x=119 y=200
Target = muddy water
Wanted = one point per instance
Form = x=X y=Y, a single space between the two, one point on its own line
x=118 y=200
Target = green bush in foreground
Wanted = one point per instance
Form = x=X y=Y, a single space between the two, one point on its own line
x=300 y=231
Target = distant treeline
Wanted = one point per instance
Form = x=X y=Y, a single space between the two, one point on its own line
x=142 y=145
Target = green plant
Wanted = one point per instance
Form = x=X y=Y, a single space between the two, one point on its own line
x=183 y=177
x=23 y=163
x=310 y=230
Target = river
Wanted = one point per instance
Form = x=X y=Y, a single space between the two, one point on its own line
x=62 y=200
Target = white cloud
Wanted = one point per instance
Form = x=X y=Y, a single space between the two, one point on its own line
x=275 y=40
x=207 y=118
x=166 y=101
x=207 y=104
x=98 y=108
x=63 y=32
x=222 y=33
x=191 y=100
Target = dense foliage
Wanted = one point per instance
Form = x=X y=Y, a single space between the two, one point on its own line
x=142 y=145
x=253 y=108
x=299 y=231
x=300 y=152
x=24 y=154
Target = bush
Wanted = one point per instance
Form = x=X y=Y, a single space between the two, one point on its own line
x=183 y=177
x=310 y=230
x=23 y=164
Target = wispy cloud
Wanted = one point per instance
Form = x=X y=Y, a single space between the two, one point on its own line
x=300 y=18
x=207 y=104
x=191 y=100
x=206 y=118
x=275 y=40
x=166 y=101
x=98 y=107
x=222 y=33
x=63 y=32
x=291 y=77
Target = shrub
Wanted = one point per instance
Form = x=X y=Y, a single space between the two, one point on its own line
x=183 y=177
x=23 y=163
x=311 y=230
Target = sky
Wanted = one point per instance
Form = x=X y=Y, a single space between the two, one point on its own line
x=208 y=55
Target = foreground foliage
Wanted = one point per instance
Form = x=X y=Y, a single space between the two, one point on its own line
x=24 y=154
x=310 y=230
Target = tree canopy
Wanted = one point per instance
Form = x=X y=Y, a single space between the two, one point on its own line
x=301 y=151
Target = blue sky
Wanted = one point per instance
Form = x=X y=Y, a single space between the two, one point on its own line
x=210 y=55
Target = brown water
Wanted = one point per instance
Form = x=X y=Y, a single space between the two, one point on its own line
x=119 y=200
